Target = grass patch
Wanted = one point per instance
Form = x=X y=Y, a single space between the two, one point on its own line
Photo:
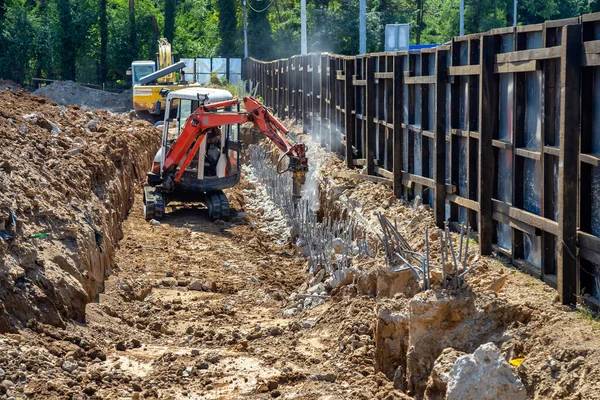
x=587 y=314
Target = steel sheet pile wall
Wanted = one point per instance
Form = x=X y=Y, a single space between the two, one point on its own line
x=500 y=131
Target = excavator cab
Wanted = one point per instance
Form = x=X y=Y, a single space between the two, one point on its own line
x=214 y=167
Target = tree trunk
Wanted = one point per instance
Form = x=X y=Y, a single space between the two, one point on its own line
x=103 y=41
x=132 y=30
x=419 y=20
x=68 y=51
x=169 y=31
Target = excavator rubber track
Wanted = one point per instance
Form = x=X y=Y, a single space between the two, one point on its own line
x=217 y=205
x=154 y=203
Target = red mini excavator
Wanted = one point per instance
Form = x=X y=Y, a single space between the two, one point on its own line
x=199 y=156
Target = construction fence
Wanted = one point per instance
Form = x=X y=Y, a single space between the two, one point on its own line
x=500 y=131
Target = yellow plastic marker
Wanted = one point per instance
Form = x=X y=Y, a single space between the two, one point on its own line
x=516 y=361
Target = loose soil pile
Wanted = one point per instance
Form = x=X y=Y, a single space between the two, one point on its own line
x=69 y=92
x=6 y=84
x=65 y=187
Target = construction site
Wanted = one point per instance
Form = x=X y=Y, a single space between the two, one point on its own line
x=401 y=225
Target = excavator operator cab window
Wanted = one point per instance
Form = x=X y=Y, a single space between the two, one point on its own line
x=140 y=71
x=186 y=107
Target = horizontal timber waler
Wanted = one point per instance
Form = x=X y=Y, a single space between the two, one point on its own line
x=499 y=130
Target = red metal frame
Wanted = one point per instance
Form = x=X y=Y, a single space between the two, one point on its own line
x=205 y=117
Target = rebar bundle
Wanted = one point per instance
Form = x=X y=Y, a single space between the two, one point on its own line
x=332 y=245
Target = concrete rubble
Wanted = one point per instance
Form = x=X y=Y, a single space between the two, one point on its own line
x=484 y=375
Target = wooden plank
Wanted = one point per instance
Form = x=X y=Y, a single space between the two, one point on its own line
x=557 y=23
x=530 y=28
x=463 y=202
x=359 y=162
x=397 y=114
x=588 y=241
x=488 y=126
x=552 y=150
x=527 y=55
x=592 y=46
x=544 y=224
x=459 y=132
x=502 y=144
x=384 y=75
x=463 y=70
x=534 y=155
x=419 y=80
x=514 y=223
x=590 y=159
x=334 y=141
x=568 y=164
x=517 y=66
x=590 y=60
x=593 y=17
x=362 y=177
x=322 y=85
x=370 y=102
x=589 y=255
x=420 y=180
x=549 y=114
x=359 y=82
x=439 y=140
x=384 y=172
x=428 y=134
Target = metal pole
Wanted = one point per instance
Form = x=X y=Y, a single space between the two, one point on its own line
x=362 y=27
x=303 y=44
x=245 y=31
x=462 y=17
x=515 y=13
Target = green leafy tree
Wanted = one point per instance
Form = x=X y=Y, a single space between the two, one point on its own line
x=68 y=52
x=260 y=40
x=103 y=30
x=228 y=32
x=18 y=40
x=169 y=30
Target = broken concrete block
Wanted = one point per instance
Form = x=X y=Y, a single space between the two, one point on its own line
x=484 y=375
x=437 y=384
x=391 y=342
x=316 y=289
x=390 y=282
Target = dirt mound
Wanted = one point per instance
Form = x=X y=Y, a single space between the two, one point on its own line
x=65 y=187
x=69 y=92
x=6 y=84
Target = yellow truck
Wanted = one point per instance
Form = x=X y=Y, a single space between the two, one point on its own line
x=149 y=83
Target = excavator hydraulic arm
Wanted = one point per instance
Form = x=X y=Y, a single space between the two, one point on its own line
x=206 y=117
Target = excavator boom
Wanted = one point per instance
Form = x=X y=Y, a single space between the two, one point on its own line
x=207 y=117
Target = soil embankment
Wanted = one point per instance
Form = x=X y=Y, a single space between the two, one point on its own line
x=66 y=184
